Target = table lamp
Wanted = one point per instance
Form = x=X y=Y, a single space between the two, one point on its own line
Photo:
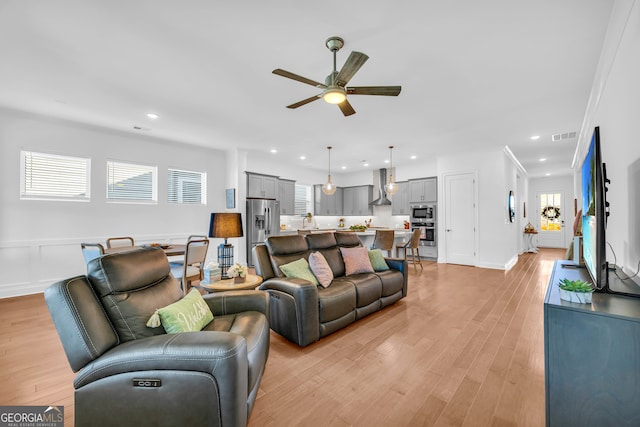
x=225 y=225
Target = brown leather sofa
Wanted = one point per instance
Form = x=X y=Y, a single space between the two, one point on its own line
x=303 y=312
x=129 y=374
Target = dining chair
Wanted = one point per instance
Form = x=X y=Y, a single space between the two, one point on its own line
x=180 y=260
x=120 y=242
x=191 y=269
x=414 y=245
x=91 y=251
x=384 y=240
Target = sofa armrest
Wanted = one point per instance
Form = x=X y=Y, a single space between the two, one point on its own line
x=401 y=265
x=397 y=264
x=220 y=355
x=229 y=302
x=211 y=352
x=294 y=309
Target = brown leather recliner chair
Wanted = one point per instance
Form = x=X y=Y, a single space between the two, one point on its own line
x=133 y=375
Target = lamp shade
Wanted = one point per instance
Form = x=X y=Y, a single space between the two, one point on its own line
x=225 y=225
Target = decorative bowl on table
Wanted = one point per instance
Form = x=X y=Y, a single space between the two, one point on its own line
x=158 y=245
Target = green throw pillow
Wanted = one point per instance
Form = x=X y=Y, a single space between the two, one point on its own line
x=300 y=270
x=377 y=260
x=190 y=314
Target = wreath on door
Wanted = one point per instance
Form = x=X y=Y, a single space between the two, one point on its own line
x=551 y=212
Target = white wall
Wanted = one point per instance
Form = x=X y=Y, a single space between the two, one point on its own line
x=40 y=240
x=617 y=112
x=496 y=236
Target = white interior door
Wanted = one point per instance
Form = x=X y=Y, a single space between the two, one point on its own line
x=460 y=218
x=550 y=211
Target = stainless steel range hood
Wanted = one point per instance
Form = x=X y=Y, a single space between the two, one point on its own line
x=381 y=182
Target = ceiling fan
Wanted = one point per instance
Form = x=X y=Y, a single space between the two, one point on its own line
x=334 y=88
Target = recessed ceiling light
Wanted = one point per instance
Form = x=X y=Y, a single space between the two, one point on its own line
x=274 y=151
x=386 y=161
x=542 y=160
x=152 y=116
x=343 y=167
x=547 y=174
x=303 y=157
x=535 y=137
x=414 y=157
x=365 y=164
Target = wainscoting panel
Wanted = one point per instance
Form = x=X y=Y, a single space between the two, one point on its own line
x=29 y=267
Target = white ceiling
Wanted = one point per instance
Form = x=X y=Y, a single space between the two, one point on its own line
x=474 y=74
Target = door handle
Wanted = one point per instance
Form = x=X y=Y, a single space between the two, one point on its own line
x=268 y=221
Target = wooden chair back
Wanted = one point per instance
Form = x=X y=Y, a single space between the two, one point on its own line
x=120 y=242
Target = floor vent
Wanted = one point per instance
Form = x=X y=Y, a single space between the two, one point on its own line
x=563 y=136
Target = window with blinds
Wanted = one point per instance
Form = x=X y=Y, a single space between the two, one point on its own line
x=186 y=187
x=129 y=182
x=303 y=200
x=53 y=177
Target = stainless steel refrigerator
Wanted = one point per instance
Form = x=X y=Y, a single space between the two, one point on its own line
x=263 y=220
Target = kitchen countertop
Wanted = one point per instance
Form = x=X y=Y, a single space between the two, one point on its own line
x=368 y=232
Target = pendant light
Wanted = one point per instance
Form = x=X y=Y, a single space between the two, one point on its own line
x=328 y=188
x=391 y=187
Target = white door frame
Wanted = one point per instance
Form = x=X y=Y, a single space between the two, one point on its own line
x=442 y=216
x=563 y=212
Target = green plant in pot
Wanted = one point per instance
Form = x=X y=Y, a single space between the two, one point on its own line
x=575 y=291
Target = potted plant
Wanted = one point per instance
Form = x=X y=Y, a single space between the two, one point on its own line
x=238 y=272
x=575 y=291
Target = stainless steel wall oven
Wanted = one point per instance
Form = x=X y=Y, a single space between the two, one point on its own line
x=423 y=217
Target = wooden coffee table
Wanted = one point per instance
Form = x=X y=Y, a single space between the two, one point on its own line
x=252 y=281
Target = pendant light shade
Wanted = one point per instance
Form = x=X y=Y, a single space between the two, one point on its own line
x=391 y=187
x=328 y=188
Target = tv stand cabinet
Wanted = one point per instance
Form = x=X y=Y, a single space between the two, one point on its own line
x=592 y=356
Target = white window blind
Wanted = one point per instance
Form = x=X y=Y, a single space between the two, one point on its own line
x=54 y=177
x=303 y=200
x=186 y=187
x=129 y=182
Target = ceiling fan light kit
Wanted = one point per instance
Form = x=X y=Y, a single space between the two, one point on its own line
x=335 y=90
x=334 y=95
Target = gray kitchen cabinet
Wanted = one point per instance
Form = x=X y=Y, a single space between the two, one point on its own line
x=357 y=199
x=400 y=200
x=326 y=205
x=423 y=190
x=287 y=196
x=592 y=355
x=262 y=186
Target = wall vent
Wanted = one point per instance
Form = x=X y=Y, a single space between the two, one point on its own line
x=563 y=136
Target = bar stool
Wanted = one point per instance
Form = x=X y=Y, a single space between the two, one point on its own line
x=414 y=245
x=384 y=240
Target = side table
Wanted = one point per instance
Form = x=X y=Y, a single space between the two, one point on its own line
x=252 y=281
x=531 y=246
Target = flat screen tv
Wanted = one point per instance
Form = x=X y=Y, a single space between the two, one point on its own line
x=594 y=214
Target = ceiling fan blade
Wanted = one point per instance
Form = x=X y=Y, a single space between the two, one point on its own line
x=374 y=90
x=353 y=64
x=296 y=77
x=346 y=108
x=304 y=101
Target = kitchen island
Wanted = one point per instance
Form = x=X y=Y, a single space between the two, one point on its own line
x=366 y=237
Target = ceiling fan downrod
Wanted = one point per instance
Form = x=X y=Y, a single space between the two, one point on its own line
x=334 y=94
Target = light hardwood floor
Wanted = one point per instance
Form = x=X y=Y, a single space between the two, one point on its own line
x=465 y=348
